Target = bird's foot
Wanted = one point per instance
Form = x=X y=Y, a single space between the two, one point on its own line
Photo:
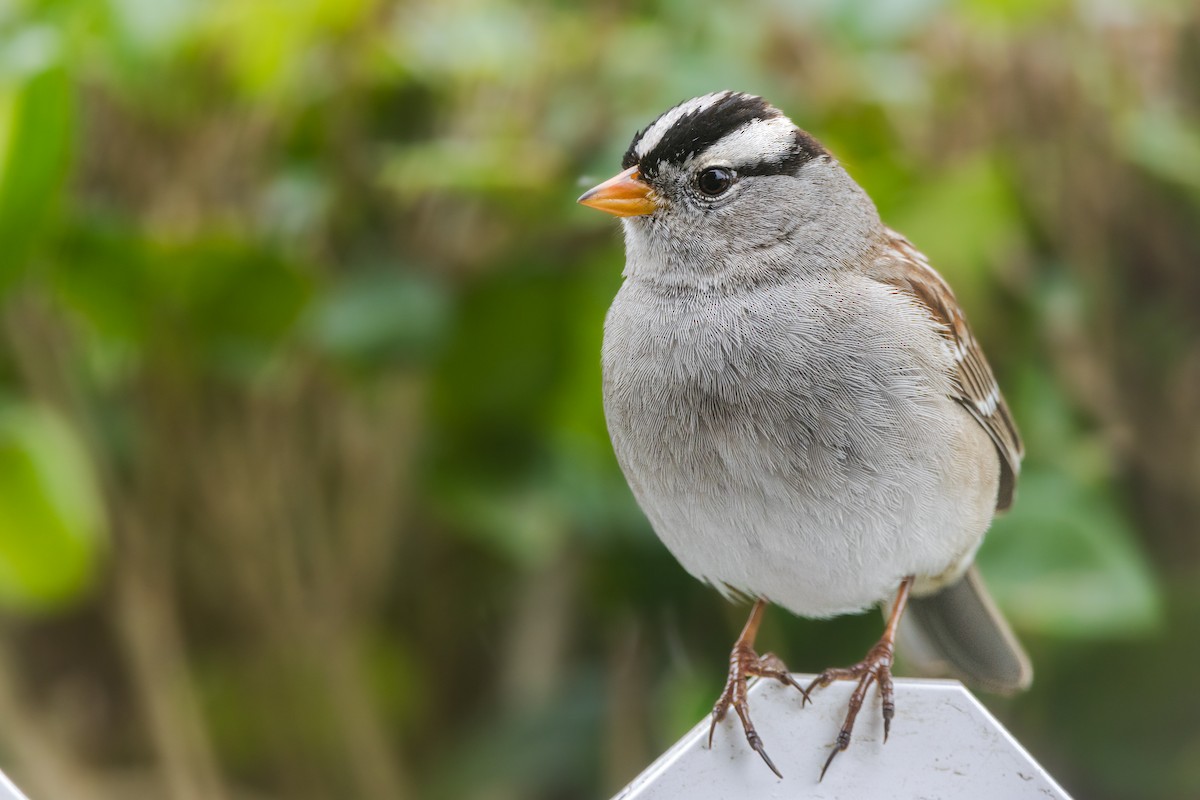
x=876 y=667
x=744 y=664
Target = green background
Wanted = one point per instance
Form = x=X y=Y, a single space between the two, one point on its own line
x=305 y=490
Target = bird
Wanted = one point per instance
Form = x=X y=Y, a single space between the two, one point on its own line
x=798 y=404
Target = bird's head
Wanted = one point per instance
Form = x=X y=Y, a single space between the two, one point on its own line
x=725 y=185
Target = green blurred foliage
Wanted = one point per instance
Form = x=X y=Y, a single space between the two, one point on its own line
x=51 y=519
x=305 y=489
x=36 y=126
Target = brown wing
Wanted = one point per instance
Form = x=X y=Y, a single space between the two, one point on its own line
x=906 y=268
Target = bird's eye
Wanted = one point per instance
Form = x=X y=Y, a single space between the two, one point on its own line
x=715 y=180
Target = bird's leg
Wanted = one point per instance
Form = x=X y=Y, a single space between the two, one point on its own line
x=744 y=663
x=877 y=666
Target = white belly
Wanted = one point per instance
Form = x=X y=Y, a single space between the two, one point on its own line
x=774 y=464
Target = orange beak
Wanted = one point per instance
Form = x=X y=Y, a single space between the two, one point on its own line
x=624 y=195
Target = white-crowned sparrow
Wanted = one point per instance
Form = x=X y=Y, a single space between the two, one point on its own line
x=797 y=401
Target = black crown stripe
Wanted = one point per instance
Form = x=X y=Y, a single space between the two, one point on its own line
x=698 y=130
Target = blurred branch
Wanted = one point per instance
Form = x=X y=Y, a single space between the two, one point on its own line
x=45 y=768
x=147 y=620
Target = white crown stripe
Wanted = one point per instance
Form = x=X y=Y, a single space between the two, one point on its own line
x=771 y=139
x=658 y=130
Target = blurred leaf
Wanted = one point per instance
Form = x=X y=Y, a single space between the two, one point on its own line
x=494 y=386
x=1065 y=560
x=1164 y=144
x=275 y=45
x=381 y=317
x=878 y=21
x=593 y=495
x=965 y=220
x=206 y=302
x=295 y=203
x=467 y=39
x=153 y=25
x=588 y=291
x=527 y=526
x=488 y=164
x=51 y=518
x=36 y=118
x=1010 y=14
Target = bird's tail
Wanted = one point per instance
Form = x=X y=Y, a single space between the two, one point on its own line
x=959 y=632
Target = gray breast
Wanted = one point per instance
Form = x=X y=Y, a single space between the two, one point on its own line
x=698 y=386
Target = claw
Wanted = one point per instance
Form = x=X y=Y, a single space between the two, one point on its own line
x=744 y=664
x=758 y=748
x=837 y=749
x=718 y=714
x=771 y=666
x=877 y=666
